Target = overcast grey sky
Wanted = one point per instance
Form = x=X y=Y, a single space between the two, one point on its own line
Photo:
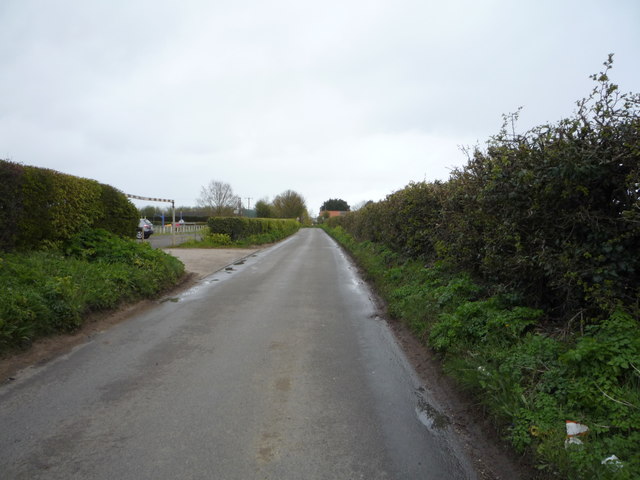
x=350 y=98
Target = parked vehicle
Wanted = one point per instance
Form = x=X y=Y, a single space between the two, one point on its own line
x=144 y=228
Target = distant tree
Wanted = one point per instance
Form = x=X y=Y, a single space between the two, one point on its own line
x=148 y=211
x=218 y=198
x=290 y=204
x=264 y=209
x=335 y=204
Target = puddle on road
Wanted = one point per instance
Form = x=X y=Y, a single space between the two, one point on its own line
x=170 y=299
x=429 y=416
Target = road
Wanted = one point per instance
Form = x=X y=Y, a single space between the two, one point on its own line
x=277 y=369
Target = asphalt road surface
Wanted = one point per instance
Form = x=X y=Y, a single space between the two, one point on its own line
x=277 y=369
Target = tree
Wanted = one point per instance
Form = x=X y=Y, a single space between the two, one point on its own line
x=264 y=209
x=335 y=204
x=218 y=198
x=148 y=211
x=290 y=204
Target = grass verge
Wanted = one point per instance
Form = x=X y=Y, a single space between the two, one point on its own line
x=45 y=292
x=531 y=382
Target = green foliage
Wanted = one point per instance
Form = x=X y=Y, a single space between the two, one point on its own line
x=219 y=238
x=264 y=209
x=44 y=292
x=544 y=325
x=209 y=240
x=335 y=204
x=529 y=381
x=42 y=207
x=241 y=228
x=552 y=214
x=118 y=215
x=290 y=204
x=11 y=208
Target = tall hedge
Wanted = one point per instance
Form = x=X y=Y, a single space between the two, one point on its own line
x=10 y=202
x=39 y=206
x=553 y=214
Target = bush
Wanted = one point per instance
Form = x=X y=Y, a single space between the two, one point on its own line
x=241 y=228
x=537 y=311
x=529 y=380
x=552 y=214
x=40 y=207
x=51 y=291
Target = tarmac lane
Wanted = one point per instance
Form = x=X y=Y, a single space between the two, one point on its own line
x=277 y=367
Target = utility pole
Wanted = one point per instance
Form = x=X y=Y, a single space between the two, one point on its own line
x=248 y=203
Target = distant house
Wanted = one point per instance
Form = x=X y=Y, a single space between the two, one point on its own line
x=333 y=213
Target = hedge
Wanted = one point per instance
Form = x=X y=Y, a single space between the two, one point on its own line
x=40 y=206
x=539 y=234
x=239 y=228
x=552 y=214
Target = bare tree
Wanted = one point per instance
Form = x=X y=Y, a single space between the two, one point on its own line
x=218 y=198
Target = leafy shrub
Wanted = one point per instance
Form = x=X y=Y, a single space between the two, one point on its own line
x=11 y=176
x=242 y=228
x=40 y=207
x=529 y=381
x=538 y=312
x=209 y=240
x=219 y=238
x=51 y=291
x=552 y=215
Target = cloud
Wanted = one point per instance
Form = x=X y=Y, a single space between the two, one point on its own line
x=332 y=99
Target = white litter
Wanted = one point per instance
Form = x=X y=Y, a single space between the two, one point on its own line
x=613 y=462
x=574 y=430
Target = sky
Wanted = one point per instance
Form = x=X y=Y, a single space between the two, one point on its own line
x=348 y=99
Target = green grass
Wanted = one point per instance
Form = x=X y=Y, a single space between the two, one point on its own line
x=530 y=380
x=44 y=292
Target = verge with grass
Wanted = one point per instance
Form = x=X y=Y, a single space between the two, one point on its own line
x=48 y=291
x=530 y=382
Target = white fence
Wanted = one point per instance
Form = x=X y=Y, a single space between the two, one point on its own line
x=186 y=228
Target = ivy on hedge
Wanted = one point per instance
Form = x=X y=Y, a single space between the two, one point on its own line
x=40 y=206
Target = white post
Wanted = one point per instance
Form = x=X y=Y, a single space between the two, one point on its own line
x=173 y=224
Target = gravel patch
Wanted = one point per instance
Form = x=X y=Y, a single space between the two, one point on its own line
x=205 y=261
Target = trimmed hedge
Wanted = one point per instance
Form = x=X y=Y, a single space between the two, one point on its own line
x=240 y=228
x=40 y=206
